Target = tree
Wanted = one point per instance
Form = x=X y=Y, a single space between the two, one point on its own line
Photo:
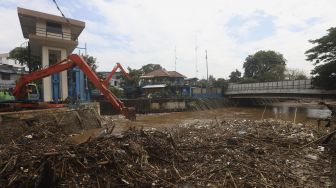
x=202 y=83
x=220 y=82
x=24 y=58
x=295 y=74
x=265 y=66
x=211 y=80
x=91 y=61
x=235 y=76
x=135 y=74
x=323 y=56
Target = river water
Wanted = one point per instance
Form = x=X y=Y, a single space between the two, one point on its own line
x=301 y=114
x=296 y=114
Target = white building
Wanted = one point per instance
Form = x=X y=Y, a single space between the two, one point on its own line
x=9 y=72
x=52 y=38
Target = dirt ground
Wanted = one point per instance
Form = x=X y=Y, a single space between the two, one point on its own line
x=207 y=150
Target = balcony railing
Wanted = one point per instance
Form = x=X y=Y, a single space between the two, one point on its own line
x=55 y=33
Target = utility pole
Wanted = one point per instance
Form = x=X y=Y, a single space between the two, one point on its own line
x=207 y=70
x=82 y=48
x=196 y=57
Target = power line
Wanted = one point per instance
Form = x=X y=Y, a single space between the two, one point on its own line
x=196 y=58
x=206 y=60
x=61 y=11
x=175 y=58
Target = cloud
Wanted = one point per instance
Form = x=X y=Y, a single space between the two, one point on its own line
x=139 y=32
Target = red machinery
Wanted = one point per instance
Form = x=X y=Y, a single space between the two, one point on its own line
x=73 y=60
x=114 y=70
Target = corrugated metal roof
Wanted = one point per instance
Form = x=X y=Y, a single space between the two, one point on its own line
x=176 y=74
x=4 y=68
x=154 y=86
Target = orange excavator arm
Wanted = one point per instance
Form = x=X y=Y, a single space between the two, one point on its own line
x=71 y=61
x=114 y=70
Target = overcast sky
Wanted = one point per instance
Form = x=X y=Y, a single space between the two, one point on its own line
x=139 y=32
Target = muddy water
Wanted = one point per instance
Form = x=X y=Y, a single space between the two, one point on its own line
x=297 y=114
x=307 y=115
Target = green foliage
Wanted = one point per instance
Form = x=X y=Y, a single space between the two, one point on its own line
x=201 y=83
x=220 y=82
x=325 y=76
x=135 y=74
x=21 y=55
x=323 y=55
x=245 y=80
x=295 y=74
x=264 y=66
x=212 y=80
x=117 y=92
x=91 y=61
x=235 y=76
x=161 y=94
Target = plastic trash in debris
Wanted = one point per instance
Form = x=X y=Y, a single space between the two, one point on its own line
x=320 y=148
x=241 y=132
x=29 y=136
x=313 y=157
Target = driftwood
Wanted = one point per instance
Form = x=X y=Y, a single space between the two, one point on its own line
x=215 y=153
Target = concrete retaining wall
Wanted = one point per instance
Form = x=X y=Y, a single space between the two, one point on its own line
x=15 y=124
x=144 y=106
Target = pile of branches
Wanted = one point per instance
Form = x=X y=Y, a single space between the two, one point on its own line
x=201 y=153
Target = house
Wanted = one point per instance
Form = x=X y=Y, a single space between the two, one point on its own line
x=115 y=80
x=190 y=81
x=9 y=74
x=162 y=81
x=161 y=76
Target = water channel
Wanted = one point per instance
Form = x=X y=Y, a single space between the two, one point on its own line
x=300 y=114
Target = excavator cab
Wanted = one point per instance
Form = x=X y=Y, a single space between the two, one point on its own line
x=32 y=93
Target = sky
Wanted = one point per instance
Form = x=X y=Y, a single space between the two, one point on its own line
x=138 y=32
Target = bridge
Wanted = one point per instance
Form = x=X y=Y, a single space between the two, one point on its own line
x=280 y=89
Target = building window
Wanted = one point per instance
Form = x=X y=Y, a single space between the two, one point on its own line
x=54 y=27
x=54 y=56
x=5 y=76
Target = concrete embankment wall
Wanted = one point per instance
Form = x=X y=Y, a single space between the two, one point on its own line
x=15 y=124
x=144 y=106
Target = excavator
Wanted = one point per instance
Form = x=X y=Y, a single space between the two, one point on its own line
x=114 y=70
x=109 y=77
x=23 y=89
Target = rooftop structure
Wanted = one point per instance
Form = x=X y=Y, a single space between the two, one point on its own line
x=162 y=76
x=52 y=38
x=44 y=29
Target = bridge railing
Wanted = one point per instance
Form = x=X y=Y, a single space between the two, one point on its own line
x=286 y=84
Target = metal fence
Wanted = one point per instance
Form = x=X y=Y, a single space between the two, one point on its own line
x=287 y=84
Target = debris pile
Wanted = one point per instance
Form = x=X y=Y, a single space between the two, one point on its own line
x=201 y=153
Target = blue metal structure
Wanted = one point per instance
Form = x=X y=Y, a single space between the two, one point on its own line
x=55 y=82
x=78 y=85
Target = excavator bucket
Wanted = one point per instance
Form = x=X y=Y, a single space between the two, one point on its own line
x=129 y=113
